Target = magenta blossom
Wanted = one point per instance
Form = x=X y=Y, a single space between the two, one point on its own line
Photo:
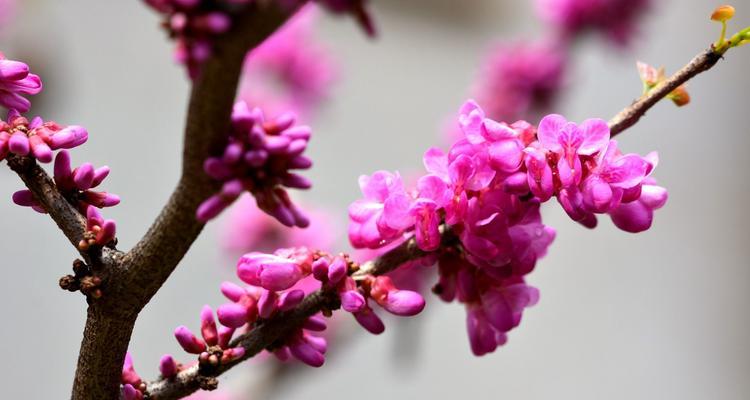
x=259 y=158
x=485 y=194
x=568 y=141
x=15 y=81
x=371 y=226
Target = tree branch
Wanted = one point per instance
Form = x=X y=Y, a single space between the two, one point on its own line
x=148 y=265
x=630 y=115
x=270 y=332
x=65 y=215
x=273 y=331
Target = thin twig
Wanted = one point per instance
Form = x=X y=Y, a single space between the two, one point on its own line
x=630 y=115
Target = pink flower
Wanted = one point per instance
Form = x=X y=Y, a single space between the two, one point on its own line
x=275 y=272
x=371 y=226
x=15 y=81
x=638 y=215
x=569 y=141
x=399 y=302
x=614 y=173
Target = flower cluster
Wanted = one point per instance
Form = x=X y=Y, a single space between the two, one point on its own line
x=487 y=190
x=616 y=18
x=290 y=70
x=37 y=138
x=15 y=81
x=258 y=158
x=194 y=25
x=77 y=185
x=279 y=282
x=212 y=349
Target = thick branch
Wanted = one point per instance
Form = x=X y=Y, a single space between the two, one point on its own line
x=273 y=331
x=630 y=115
x=148 y=265
x=154 y=258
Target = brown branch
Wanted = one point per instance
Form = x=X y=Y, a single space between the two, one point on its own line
x=65 y=215
x=271 y=332
x=148 y=265
x=630 y=115
x=268 y=333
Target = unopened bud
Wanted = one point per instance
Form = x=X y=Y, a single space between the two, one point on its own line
x=680 y=96
x=723 y=13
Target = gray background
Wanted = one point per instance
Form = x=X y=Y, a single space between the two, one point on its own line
x=660 y=315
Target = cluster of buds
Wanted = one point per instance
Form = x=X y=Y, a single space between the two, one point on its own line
x=212 y=350
x=487 y=192
x=15 y=81
x=195 y=25
x=279 y=282
x=75 y=185
x=37 y=138
x=83 y=280
x=99 y=231
x=258 y=158
x=652 y=77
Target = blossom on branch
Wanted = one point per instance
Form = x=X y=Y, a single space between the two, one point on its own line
x=487 y=191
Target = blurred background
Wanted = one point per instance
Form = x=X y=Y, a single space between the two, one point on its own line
x=662 y=314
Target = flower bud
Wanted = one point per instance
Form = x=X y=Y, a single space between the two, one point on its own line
x=723 y=13
x=188 y=341
x=167 y=366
